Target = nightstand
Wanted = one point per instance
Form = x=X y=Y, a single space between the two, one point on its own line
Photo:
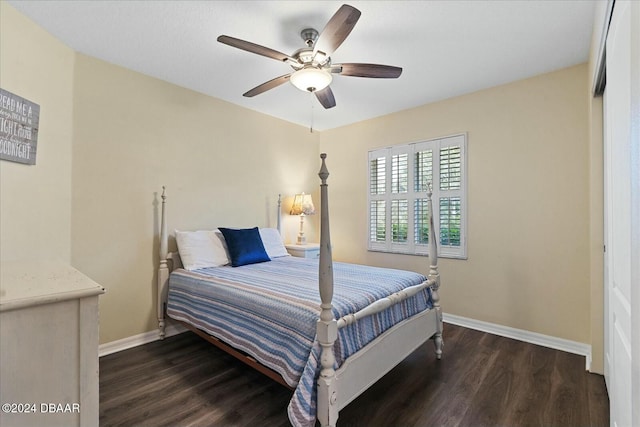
x=310 y=250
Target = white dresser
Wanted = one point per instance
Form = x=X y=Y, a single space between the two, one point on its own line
x=49 y=335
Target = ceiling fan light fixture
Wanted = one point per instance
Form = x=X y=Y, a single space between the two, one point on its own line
x=311 y=79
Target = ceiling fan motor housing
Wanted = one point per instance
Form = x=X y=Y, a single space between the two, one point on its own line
x=309 y=35
x=305 y=57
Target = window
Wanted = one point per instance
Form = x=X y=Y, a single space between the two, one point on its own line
x=399 y=178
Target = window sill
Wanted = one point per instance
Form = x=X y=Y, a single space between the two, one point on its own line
x=440 y=255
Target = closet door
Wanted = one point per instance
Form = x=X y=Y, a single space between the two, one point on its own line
x=622 y=228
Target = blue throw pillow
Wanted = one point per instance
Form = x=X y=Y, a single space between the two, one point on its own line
x=245 y=246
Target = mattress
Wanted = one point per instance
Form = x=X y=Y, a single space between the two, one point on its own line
x=269 y=310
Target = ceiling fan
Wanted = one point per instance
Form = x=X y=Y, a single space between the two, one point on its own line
x=312 y=67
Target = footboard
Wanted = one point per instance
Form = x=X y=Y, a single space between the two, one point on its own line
x=337 y=388
x=367 y=366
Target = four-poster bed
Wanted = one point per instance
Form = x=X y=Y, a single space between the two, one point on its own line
x=329 y=354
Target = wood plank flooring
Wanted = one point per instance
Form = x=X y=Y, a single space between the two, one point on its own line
x=482 y=380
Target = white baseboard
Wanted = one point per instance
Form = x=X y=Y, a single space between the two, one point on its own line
x=568 y=346
x=136 y=340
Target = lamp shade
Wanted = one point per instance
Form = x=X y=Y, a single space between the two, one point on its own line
x=311 y=79
x=303 y=204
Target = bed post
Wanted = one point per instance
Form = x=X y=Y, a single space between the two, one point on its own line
x=279 y=214
x=327 y=330
x=434 y=276
x=163 y=270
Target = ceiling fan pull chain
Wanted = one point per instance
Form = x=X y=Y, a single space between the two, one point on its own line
x=311 y=96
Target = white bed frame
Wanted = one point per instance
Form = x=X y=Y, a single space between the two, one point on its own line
x=336 y=388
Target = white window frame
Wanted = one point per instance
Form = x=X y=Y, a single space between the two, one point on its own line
x=410 y=247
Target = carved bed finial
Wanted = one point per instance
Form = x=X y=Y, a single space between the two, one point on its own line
x=163 y=229
x=324 y=172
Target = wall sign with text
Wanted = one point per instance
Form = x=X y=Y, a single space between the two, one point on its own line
x=18 y=128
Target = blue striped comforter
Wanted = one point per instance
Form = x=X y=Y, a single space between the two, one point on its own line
x=269 y=310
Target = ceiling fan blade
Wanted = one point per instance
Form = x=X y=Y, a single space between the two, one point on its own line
x=336 y=30
x=267 y=85
x=254 y=48
x=368 y=70
x=326 y=98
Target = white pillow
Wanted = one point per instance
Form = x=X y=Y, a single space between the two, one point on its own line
x=201 y=249
x=273 y=243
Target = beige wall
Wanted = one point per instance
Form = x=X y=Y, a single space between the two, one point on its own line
x=222 y=165
x=528 y=229
x=35 y=202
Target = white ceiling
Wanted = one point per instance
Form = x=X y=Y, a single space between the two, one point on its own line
x=446 y=48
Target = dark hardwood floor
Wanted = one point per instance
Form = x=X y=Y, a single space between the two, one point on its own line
x=482 y=380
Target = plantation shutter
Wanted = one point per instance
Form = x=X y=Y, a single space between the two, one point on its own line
x=399 y=178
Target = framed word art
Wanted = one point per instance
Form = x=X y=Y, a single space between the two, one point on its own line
x=18 y=128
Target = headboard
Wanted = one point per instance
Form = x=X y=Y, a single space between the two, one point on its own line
x=169 y=261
